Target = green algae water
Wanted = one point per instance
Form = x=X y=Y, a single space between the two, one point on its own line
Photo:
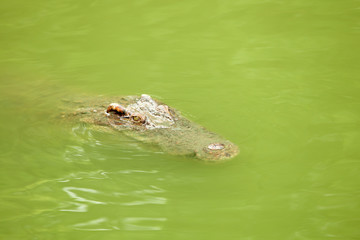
x=278 y=78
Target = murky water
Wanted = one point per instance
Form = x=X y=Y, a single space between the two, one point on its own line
x=278 y=78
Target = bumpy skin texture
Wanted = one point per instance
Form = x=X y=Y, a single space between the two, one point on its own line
x=159 y=124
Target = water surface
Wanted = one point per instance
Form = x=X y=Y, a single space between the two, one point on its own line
x=278 y=78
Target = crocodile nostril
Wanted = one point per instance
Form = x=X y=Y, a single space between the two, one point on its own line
x=216 y=146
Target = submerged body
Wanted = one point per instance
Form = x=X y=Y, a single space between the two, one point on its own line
x=151 y=121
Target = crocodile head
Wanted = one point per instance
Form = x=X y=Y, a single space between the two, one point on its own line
x=151 y=121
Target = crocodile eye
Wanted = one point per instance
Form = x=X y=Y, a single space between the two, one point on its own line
x=137 y=117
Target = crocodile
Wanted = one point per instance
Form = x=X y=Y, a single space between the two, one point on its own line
x=151 y=121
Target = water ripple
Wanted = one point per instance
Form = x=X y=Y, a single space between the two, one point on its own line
x=131 y=223
x=69 y=191
x=128 y=224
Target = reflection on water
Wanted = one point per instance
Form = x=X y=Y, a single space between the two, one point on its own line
x=93 y=224
x=134 y=223
x=144 y=194
x=84 y=200
x=76 y=197
x=128 y=224
x=109 y=197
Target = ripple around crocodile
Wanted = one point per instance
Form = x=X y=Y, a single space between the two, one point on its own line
x=150 y=121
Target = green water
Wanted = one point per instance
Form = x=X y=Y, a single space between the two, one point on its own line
x=278 y=78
